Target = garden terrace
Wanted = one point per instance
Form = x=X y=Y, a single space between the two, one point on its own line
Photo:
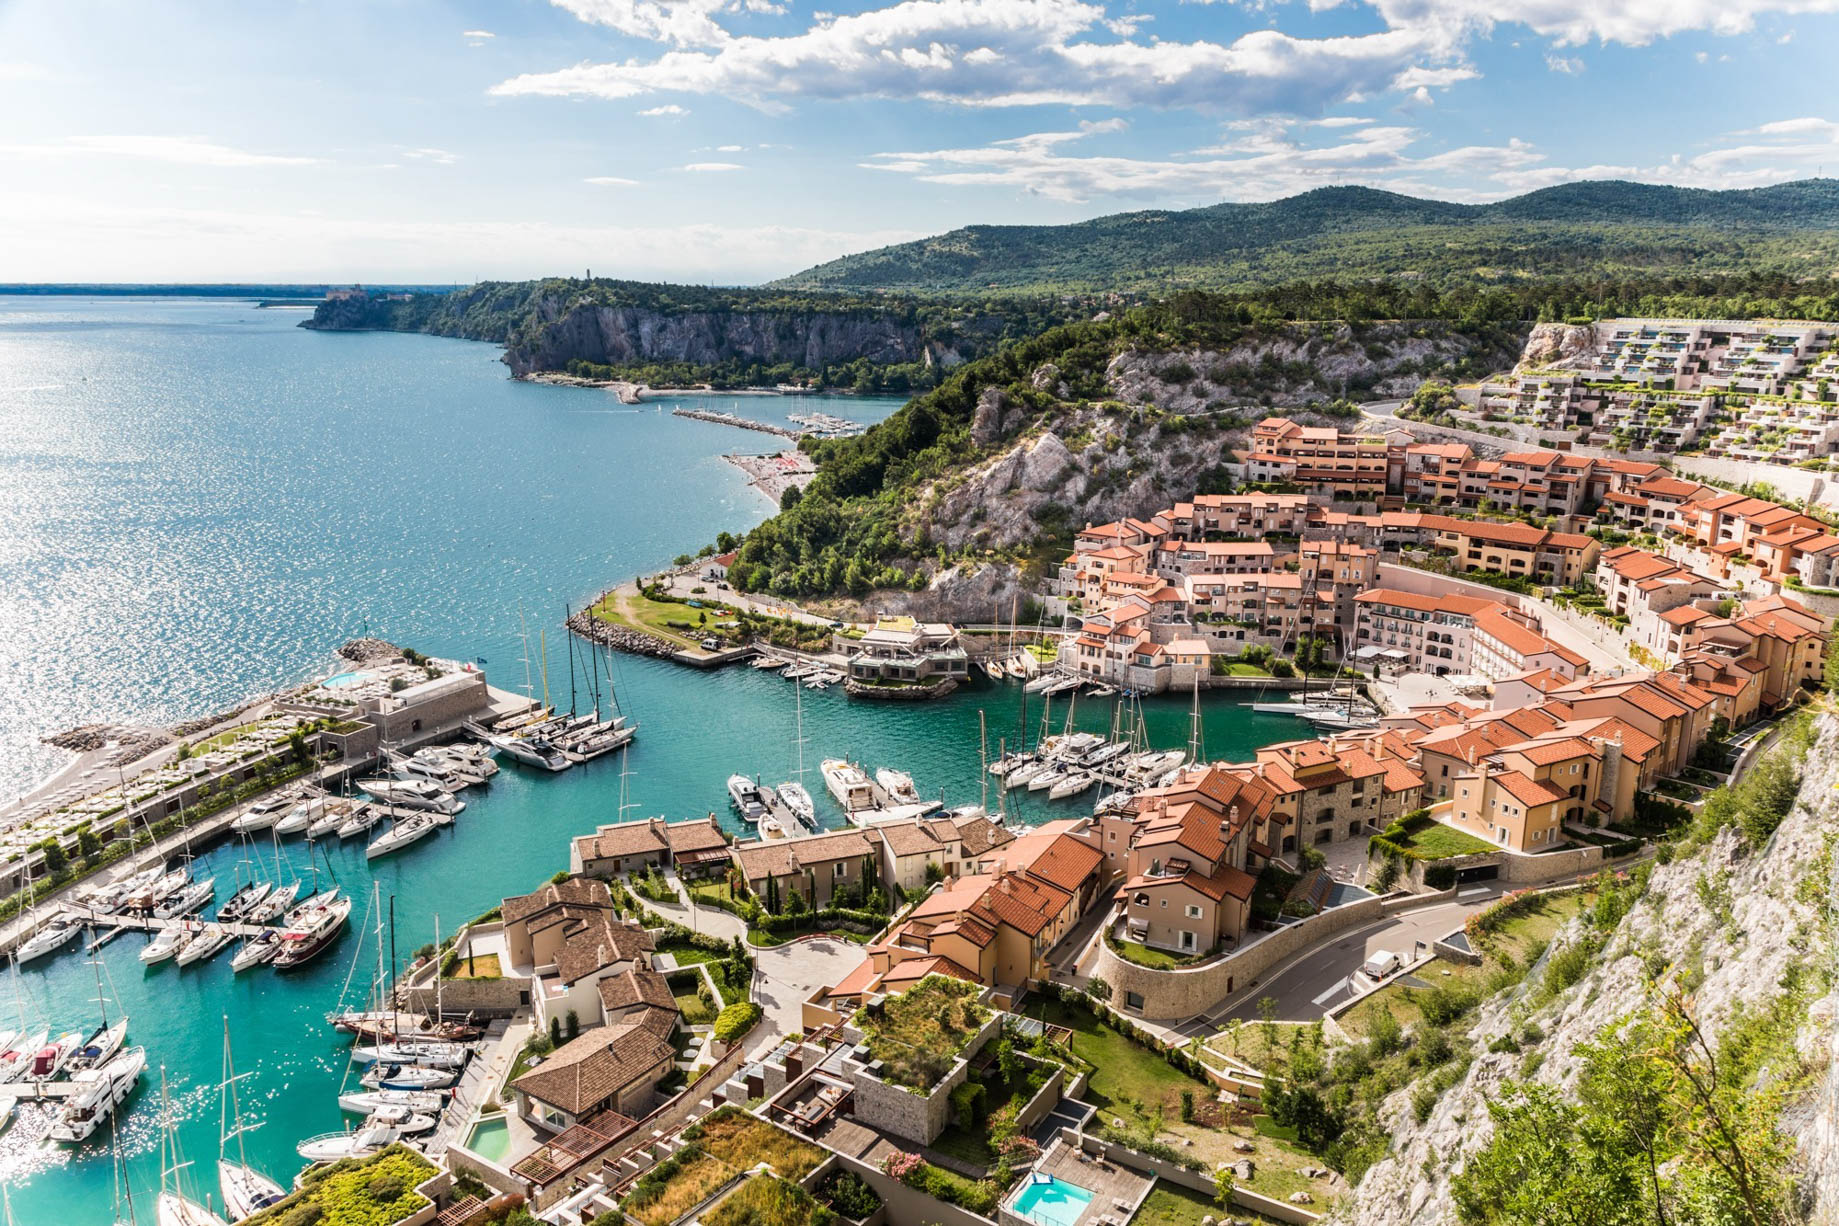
x=743 y=1141
x=766 y=1200
x=374 y=1191
x=916 y=1035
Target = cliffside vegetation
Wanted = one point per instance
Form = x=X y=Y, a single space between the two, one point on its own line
x=1598 y=228
x=1149 y=397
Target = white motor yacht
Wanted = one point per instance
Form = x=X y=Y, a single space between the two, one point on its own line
x=188 y=901
x=848 y=783
x=98 y=1092
x=427 y=1102
x=898 y=785
x=164 y=946
x=262 y=815
x=296 y=820
x=410 y=828
x=413 y=794
x=372 y=1135
x=207 y=944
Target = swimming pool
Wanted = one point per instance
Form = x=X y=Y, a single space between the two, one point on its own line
x=1053 y=1202
x=339 y=681
x=491 y=1139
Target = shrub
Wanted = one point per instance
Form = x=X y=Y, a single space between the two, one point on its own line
x=736 y=1020
x=849 y=1194
x=1440 y=876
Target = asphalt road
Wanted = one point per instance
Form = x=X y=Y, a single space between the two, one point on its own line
x=1318 y=979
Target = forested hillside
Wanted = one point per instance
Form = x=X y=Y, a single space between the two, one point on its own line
x=1593 y=229
x=673 y=334
x=1118 y=414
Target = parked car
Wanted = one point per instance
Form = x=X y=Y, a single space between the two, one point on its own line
x=1380 y=965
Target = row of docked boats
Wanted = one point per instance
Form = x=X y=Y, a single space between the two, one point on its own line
x=551 y=742
x=1066 y=765
x=813 y=674
x=767 y=809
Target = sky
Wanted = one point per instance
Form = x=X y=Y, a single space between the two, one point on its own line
x=732 y=141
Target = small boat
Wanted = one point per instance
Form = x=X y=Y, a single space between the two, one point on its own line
x=49 y=939
x=245 y=900
x=361 y=821
x=99 y=1091
x=407 y=1077
x=995 y=669
x=262 y=815
x=748 y=798
x=15 y=1060
x=898 y=785
x=188 y=901
x=770 y=828
x=164 y=946
x=329 y=821
x=50 y=1059
x=798 y=801
x=372 y=1135
x=207 y=944
x=406 y=830
x=255 y=951
x=532 y=751
x=413 y=794
x=1102 y=691
x=434 y=769
x=1042 y=683
x=101 y=1048
x=1046 y=779
x=410 y=1051
x=271 y=908
x=1073 y=784
x=430 y=1102
x=1151 y=763
x=798 y=672
x=390 y=1026
x=308 y=905
x=1024 y=773
x=767 y=663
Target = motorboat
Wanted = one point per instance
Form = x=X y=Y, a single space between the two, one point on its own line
x=262 y=815
x=271 y=908
x=1117 y=802
x=207 y=944
x=531 y=750
x=798 y=672
x=434 y=770
x=406 y=830
x=410 y=1051
x=748 y=798
x=1061 y=684
x=407 y=1077
x=797 y=801
x=848 y=784
x=245 y=900
x=407 y=1122
x=97 y=1093
x=188 y=901
x=391 y=1026
x=898 y=785
x=361 y=821
x=50 y=1059
x=1153 y=762
x=1074 y=783
x=101 y=1048
x=155 y=891
x=430 y=1102
x=768 y=663
x=413 y=794
x=17 y=1059
x=313 y=934
x=60 y=932
x=255 y=951
x=771 y=828
x=374 y=1134
x=165 y=945
x=599 y=744
x=296 y=820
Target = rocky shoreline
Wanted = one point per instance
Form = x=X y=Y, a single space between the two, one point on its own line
x=621 y=638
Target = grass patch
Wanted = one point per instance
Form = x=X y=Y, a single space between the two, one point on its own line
x=1170 y=1204
x=742 y=1141
x=638 y=612
x=675 y=1186
x=690 y=992
x=1143 y=955
x=917 y=1034
x=479 y=966
x=686 y=954
x=369 y=1191
x=767 y=1201
x=1440 y=842
x=1123 y=1070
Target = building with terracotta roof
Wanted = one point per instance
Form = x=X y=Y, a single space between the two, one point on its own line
x=816 y=867
x=1557 y=559
x=1325 y=792
x=607 y=1068
x=1657 y=595
x=1440 y=635
x=1319 y=459
x=694 y=847
x=1236 y=517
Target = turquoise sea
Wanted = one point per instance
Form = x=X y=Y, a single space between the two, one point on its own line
x=199 y=500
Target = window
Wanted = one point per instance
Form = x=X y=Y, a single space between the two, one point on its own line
x=1165 y=904
x=1133 y=1000
x=1193 y=911
x=841 y=869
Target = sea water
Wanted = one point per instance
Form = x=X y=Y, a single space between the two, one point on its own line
x=199 y=500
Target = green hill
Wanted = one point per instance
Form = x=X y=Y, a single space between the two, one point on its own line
x=1578 y=229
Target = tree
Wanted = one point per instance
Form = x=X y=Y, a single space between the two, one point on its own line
x=1098 y=989
x=555 y=1031
x=55 y=859
x=790 y=498
x=88 y=845
x=574 y=1024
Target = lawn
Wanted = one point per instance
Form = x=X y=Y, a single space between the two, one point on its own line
x=1123 y=1070
x=478 y=966
x=653 y=616
x=686 y=988
x=1170 y=1204
x=917 y=1034
x=1440 y=842
x=675 y=1186
x=1143 y=955
x=742 y=1141
x=765 y=939
x=766 y=1201
x=688 y=955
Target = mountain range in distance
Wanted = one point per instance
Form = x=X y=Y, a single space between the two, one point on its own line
x=1596 y=228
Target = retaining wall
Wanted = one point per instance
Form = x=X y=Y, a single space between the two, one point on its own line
x=1194 y=1181
x=1188 y=990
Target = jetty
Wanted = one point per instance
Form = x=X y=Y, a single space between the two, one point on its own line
x=737 y=421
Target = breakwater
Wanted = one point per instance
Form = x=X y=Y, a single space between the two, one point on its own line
x=736 y=420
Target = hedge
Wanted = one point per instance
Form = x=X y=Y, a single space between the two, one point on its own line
x=1439 y=876
x=736 y=1020
x=1390 y=841
x=874 y=921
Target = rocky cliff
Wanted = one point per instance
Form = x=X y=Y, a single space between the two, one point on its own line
x=1725 y=922
x=1560 y=345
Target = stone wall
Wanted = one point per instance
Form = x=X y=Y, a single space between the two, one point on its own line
x=1520 y=869
x=1194 y=1181
x=886 y=1107
x=1186 y=991
x=484 y=998
x=1795 y=484
x=1045 y=1099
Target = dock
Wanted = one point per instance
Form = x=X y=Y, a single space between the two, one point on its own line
x=737 y=421
x=148 y=923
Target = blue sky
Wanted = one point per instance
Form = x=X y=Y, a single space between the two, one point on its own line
x=736 y=140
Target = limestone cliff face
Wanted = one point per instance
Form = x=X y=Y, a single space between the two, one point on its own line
x=1772 y=921
x=620 y=335
x=1560 y=345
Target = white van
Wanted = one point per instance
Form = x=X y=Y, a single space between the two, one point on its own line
x=1381 y=964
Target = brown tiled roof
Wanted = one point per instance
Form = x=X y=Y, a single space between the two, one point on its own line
x=908 y=838
x=980 y=834
x=576 y=892
x=694 y=835
x=637 y=838
x=1060 y=860
x=1527 y=791
x=636 y=987
x=784 y=857
x=598 y=946
x=586 y=1072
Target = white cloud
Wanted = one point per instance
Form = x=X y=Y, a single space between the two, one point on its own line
x=477 y=38
x=1702 y=56
x=1576 y=22
x=22 y=70
x=439 y=157
x=1015 y=53
x=729 y=148
x=687 y=23
x=1570 y=66
x=710 y=167
x=182 y=150
x=669 y=108
x=611 y=181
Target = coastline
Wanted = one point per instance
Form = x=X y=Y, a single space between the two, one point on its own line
x=637 y=393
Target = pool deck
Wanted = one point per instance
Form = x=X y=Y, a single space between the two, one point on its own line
x=1117 y=1191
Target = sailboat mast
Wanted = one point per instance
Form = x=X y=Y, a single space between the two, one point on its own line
x=440 y=1010
x=983 y=760
x=571 y=663
x=1194 y=738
